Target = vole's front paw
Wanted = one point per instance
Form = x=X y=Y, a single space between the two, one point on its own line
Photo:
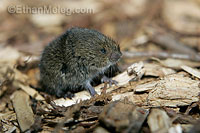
x=109 y=81
x=90 y=89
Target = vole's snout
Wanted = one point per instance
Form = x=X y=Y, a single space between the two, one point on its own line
x=114 y=57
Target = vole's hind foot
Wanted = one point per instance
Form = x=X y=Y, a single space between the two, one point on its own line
x=69 y=95
x=109 y=81
x=65 y=94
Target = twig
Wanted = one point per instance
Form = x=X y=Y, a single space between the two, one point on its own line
x=162 y=55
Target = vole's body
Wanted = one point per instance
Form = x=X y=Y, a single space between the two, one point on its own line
x=71 y=61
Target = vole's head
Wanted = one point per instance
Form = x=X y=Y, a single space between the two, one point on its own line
x=97 y=50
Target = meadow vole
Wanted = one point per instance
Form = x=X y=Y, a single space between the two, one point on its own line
x=71 y=61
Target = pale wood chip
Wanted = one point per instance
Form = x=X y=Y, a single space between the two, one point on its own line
x=158 y=121
x=174 y=90
x=30 y=91
x=192 y=71
x=25 y=116
x=157 y=70
x=146 y=87
x=177 y=63
x=175 y=129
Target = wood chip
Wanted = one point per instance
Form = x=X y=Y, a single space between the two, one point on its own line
x=176 y=63
x=157 y=70
x=146 y=87
x=175 y=129
x=174 y=90
x=131 y=97
x=130 y=118
x=25 y=116
x=192 y=71
x=158 y=121
x=32 y=92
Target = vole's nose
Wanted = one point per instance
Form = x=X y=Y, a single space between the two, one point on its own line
x=115 y=56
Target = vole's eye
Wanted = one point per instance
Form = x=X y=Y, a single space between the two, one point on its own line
x=103 y=50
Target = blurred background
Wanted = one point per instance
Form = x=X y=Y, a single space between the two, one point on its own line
x=30 y=25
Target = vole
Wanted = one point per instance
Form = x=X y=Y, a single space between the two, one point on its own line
x=71 y=61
